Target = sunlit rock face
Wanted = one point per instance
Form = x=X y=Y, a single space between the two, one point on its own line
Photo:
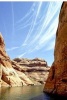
x=0 y=75
x=8 y=75
x=36 y=69
x=57 y=79
x=21 y=72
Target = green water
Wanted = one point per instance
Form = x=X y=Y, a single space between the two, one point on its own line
x=27 y=93
x=20 y=93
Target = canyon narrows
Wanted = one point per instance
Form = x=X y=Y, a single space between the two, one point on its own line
x=57 y=79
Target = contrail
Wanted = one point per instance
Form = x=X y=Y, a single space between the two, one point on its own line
x=52 y=22
x=49 y=17
x=48 y=34
x=13 y=29
x=31 y=29
x=26 y=14
x=45 y=30
x=22 y=55
x=40 y=28
x=51 y=30
x=24 y=26
x=13 y=48
x=53 y=27
x=25 y=23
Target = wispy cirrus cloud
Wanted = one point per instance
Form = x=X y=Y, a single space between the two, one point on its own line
x=13 y=28
x=23 y=25
x=27 y=15
x=21 y=55
x=46 y=25
x=33 y=22
x=42 y=22
x=47 y=30
x=13 y=48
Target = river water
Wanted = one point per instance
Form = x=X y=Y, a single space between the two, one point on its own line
x=25 y=93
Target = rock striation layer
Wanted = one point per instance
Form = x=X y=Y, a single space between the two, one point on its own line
x=57 y=79
x=21 y=72
x=8 y=75
x=36 y=69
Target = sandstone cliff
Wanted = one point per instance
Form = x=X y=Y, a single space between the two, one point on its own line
x=36 y=69
x=8 y=76
x=21 y=71
x=57 y=79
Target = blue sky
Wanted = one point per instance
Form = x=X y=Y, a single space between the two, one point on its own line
x=29 y=28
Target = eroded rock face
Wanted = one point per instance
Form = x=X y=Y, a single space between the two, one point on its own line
x=31 y=62
x=8 y=74
x=0 y=75
x=57 y=79
x=21 y=71
x=36 y=69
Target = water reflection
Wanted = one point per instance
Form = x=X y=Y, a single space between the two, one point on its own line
x=20 y=93
x=45 y=96
x=25 y=93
